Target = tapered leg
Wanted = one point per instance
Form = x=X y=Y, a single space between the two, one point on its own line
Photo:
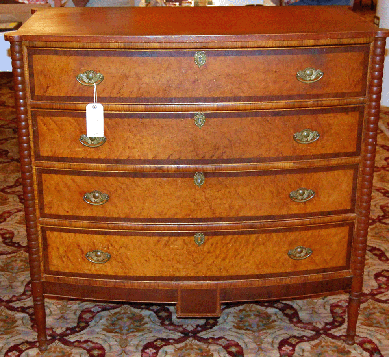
x=40 y=315
x=353 y=311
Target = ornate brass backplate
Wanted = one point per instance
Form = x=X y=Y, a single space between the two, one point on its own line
x=96 y=198
x=309 y=75
x=92 y=142
x=302 y=195
x=89 y=78
x=98 y=256
x=299 y=253
x=306 y=136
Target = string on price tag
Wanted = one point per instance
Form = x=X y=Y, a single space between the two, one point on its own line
x=94 y=117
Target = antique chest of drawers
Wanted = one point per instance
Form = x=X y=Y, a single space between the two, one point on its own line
x=236 y=162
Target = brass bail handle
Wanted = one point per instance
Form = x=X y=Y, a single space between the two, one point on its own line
x=306 y=136
x=309 y=75
x=300 y=253
x=90 y=78
x=302 y=195
x=98 y=256
x=96 y=198
x=92 y=142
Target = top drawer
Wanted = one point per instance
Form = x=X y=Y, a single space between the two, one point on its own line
x=172 y=76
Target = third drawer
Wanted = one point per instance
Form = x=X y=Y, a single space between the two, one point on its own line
x=207 y=196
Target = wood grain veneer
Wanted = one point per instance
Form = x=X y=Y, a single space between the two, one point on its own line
x=226 y=136
x=222 y=254
x=142 y=196
x=253 y=105
x=234 y=75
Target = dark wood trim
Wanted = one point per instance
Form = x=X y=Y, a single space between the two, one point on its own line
x=210 y=53
x=208 y=107
x=240 y=173
x=184 y=279
x=275 y=292
x=230 y=294
x=194 y=301
x=174 y=233
x=197 y=226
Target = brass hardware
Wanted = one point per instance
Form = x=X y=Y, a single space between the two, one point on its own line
x=98 y=256
x=302 y=195
x=306 y=136
x=199 y=179
x=199 y=119
x=92 y=142
x=96 y=198
x=200 y=58
x=300 y=253
x=89 y=78
x=199 y=238
x=309 y=75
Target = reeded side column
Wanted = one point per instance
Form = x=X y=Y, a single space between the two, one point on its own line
x=28 y=191
x=365 y=184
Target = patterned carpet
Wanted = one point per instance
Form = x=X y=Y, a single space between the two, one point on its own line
x=311 y=327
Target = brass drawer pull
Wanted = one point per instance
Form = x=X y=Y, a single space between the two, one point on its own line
x=199 y=238
x=300 y=253
x=89 y=78
x=302 y=195
x=96 y=198
x=306 y=136
x=309 y=75
x=200 y=58
x=92 y=142
x=199 y=179
x=98 y=256
x=199 y=119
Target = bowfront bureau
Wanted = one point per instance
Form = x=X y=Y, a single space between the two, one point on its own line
x=236 y=161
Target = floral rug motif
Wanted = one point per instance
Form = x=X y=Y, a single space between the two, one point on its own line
x=299 y=328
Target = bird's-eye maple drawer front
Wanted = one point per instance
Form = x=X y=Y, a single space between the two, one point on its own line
x=172 y=76
x=164 y=254
x=205 y=137
x=209 y=196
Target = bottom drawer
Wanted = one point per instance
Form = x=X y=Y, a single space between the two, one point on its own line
x=177 y=256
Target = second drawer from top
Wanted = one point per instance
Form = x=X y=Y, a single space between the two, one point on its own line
x=200 y=138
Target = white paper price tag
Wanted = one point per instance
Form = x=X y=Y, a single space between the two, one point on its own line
x=94 y=120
